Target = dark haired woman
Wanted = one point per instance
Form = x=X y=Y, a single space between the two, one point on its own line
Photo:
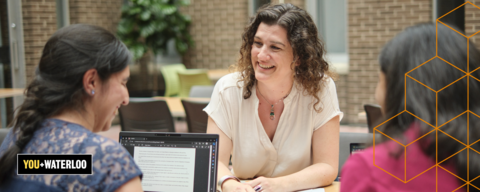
x=445 y=109
x=78 y=87
x=278 y=116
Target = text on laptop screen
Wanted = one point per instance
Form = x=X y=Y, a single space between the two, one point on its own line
x=174 y=162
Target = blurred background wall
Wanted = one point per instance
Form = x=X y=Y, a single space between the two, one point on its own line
x=217 y=26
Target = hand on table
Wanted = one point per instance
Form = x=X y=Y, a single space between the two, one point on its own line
x=267 y=184
x=234 y=186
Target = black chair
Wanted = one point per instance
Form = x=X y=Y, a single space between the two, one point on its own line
x=374 y=116
x=146 y=114
x=196 y=118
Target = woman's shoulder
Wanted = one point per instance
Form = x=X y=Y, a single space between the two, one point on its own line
x=112 y=165
x=228 y=81
x=229 y=87
x=58 y=136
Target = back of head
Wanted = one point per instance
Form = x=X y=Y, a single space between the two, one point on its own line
x=438 y=90
x=302 y=34
x=58 y=83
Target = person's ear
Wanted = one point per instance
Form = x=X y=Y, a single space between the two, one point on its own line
x=296 y=61
x=91 y=81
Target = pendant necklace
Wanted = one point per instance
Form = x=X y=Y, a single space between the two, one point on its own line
x=272 y=113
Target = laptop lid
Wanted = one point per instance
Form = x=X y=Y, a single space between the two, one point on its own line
x=174 y=161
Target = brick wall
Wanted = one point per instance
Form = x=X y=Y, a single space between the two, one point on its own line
x=298 y=3
x=104 y=13
x=472 y=21
x=370 y=25
x=39 y=23
x=217 y=27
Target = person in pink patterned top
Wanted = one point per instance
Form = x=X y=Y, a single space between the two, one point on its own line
x=437 y=94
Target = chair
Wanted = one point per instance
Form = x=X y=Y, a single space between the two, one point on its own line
x=374 y=116
x=196 y=118
x=3 y=134
x=349 y=137
x=201 y=91
x=172 y=82
x=191 y=77
x=146 y=114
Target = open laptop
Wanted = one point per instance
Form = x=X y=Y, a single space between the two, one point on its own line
x=356 y=147
x=174 y=162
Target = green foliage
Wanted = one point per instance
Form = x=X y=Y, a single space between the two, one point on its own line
x=149 y=24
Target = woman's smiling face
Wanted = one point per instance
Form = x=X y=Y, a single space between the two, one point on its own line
x=272 y=54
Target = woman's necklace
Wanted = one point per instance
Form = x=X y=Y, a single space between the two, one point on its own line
x=272 y=113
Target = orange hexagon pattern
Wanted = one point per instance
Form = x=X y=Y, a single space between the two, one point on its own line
x=436 y=128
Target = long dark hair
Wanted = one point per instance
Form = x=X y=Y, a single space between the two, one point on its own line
x=308 y=48
x=438 y=93
x=58 y=82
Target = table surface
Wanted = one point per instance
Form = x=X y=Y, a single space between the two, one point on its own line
x=9 y=92
x=175 y=104
x=334 y=187
x=216 y=74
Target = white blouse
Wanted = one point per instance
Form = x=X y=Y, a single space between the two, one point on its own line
x=253 y=153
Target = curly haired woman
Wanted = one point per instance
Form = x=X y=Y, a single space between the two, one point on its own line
x=278 y=115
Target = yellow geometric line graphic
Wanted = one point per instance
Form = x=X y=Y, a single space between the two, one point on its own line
x=452 y=119
x=421 y=83
x=468 y=145
x=452 y=64
x=452 y=173
x=452 y=29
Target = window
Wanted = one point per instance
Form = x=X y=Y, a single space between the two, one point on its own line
x=253 y=5
x=330 y=16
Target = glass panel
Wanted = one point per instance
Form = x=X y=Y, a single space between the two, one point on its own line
x=5 y=63
x=332 y=24
x=259 y=3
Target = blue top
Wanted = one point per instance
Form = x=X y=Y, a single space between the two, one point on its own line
x=112 y=164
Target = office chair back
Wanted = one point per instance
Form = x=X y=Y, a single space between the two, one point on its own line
x=146 y=114
x=191 y=77
x=170 y=75
x=374 y=116
x=196 y=118
x=204 y=91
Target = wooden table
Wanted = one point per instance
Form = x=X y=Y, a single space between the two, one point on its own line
x=9 y=92
x=216 y=74
x=175 y=104
x=334 y=187
x=5 y=93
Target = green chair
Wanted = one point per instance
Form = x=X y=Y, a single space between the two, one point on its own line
x=172 y=82
x=191 y=77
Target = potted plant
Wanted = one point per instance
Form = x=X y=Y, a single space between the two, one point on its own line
x=146 y=26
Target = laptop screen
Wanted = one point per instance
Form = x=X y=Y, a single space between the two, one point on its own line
x=356 y=147
x=174 y=161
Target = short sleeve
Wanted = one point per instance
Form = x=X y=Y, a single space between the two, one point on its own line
x=115 y=166
x=218 y=109
x=329 y=105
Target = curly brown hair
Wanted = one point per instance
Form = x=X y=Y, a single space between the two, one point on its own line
x=308 y=48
